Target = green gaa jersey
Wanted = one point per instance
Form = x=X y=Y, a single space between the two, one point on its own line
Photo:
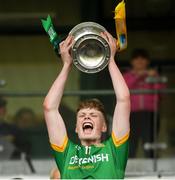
x=105 y=161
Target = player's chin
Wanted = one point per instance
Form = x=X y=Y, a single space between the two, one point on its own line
x=91 y=136
x=85 y=136
x=88 y=137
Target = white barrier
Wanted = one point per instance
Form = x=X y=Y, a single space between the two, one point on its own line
x=135 y=168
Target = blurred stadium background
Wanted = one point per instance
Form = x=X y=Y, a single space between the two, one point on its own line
x=28 y=66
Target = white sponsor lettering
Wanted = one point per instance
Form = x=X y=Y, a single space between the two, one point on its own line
x=98 y=157
x=84 y=161
x=104 y=157
x=91 y=159
x=74 y=159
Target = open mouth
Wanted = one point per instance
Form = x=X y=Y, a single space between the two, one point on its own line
x=87 y=127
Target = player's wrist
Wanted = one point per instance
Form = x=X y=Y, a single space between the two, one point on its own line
x=111 y=62
x=67 y=65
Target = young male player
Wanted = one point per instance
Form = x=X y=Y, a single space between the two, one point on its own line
x=93 y=158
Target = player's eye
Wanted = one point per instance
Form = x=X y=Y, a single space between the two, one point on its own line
x=94 y=115
x=81 y=115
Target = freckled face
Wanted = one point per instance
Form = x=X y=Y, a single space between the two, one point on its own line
x=90 y=124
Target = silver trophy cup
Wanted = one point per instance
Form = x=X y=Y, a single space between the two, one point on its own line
x=90 y=51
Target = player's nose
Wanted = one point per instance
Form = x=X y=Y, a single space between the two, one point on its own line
x=87 y=117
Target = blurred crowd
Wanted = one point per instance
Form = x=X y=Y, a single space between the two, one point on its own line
x=144 y=106
x=12 y=141
x=17 y=137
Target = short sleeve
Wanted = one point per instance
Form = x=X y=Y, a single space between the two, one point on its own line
x=60 y=153
x=120 y=148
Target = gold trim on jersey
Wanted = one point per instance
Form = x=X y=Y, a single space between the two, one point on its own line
x=119 y=141
x=62 y=147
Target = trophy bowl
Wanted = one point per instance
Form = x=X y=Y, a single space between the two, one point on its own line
x=90 y=52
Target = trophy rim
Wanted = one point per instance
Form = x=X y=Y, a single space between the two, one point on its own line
x=89 y=24
x=89 y=31
x=104 y=62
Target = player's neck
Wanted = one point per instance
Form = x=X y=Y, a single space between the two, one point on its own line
x=90 y=142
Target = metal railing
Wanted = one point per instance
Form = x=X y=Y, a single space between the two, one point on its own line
x=85 y=92
x=155 y=146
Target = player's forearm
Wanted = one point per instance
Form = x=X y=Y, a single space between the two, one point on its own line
x=54 y=96
x=119 y=84
x=120 y=124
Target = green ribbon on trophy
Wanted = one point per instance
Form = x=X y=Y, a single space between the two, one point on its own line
x=49 y=28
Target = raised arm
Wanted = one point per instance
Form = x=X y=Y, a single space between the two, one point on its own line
x=121 y=115
x=55 y=124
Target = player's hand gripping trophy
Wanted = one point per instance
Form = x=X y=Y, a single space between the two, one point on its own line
x=90 y=51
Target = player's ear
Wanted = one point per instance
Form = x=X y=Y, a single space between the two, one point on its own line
x=104 y=127
x=76 y=129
